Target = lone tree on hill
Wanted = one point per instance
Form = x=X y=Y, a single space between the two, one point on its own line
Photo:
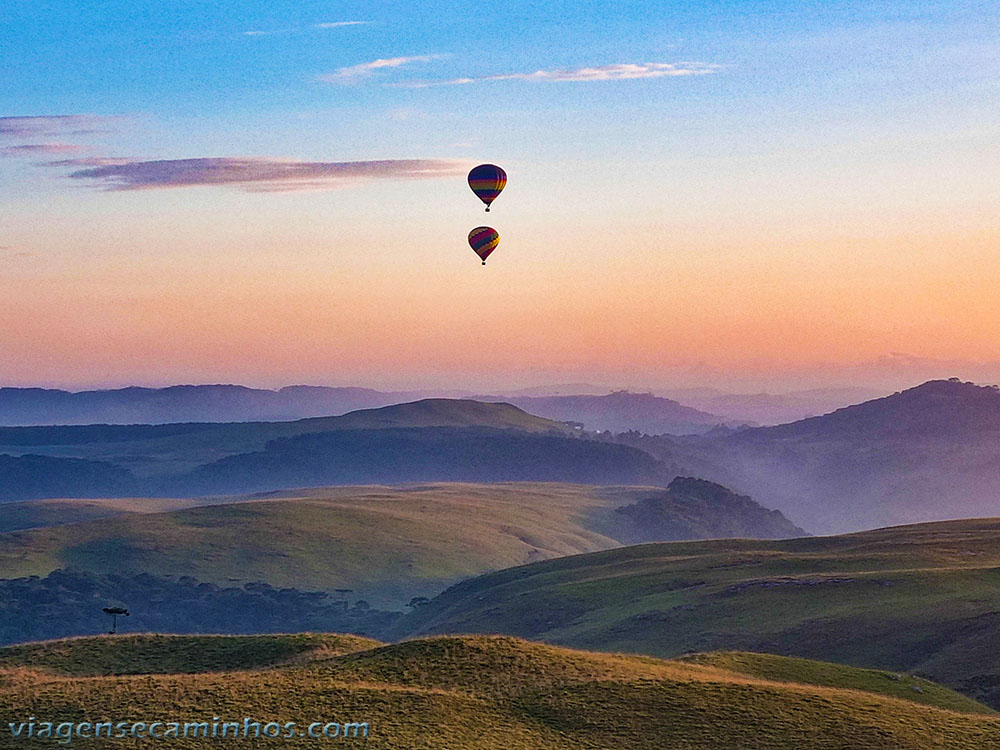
x=114 y=612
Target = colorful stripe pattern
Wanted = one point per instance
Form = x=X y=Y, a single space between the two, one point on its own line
x=484 y=240
x=486 y=181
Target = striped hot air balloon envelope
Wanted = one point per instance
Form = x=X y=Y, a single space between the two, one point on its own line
x=484 y=240
x=486 y=181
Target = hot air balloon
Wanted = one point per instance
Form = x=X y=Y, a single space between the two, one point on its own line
x=486 y=181
x=484 y=240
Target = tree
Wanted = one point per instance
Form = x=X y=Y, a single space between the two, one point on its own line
x=114 y=612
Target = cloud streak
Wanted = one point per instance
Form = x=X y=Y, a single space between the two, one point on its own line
x=339 y=24
x=10 y=253
x=618 y=72
x=43 y=149
x=326 y=25
x=46 y=125
x=89 y=161
x=261 y=174
x=354 y=73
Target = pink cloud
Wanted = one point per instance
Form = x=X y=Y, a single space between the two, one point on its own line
x=259 y=174
x=41 y=125
x=355 y=73
x=36 y=149
x=618 y=72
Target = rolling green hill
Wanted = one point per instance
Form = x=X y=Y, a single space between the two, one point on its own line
x=482 y=693
x=35 y=514
x=387 y=544
x=924 y=599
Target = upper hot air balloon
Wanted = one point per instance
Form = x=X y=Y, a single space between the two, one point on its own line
x=484 y=240
x=486 y=181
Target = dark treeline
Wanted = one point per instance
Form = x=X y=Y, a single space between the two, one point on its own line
x=68 y=603
x=362 y=456
x=470 y=454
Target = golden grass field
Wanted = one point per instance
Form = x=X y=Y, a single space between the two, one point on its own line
x=481 y=692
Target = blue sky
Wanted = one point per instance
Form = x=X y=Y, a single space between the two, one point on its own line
x=816 y=148
x=191 y=65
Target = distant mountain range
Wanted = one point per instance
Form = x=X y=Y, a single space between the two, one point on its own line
x=621 y=411
x=927 y=453
x=772 y=408
x=428 y=440
x=185 y=403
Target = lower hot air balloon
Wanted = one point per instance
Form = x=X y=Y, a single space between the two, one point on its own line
x=484 y=240
x=486 y=181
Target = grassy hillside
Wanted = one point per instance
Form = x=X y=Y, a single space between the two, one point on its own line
x=162 y=654
x=40 y=513
x=388 y=544
x=478 y=693
x=812 y=672
x=922 y=598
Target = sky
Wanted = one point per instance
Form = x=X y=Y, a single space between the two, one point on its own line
x=751 y=195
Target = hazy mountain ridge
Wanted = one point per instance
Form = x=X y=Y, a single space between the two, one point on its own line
x=429 y=454
x=32 y=477
x=693 y=508
x=927 y=453
x=129 y=460
x=772 y=408
x=185 y=403
x=937 y=408
x=621 y=411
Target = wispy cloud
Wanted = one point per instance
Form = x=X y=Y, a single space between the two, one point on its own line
x=354 y=73
x=90 y=161
x=10 y=253
x=261 y=174
x=325 y=25
x=406 y=114
x=36 y=149
x=339 y=24
x=619 y=72
x=44 y=125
